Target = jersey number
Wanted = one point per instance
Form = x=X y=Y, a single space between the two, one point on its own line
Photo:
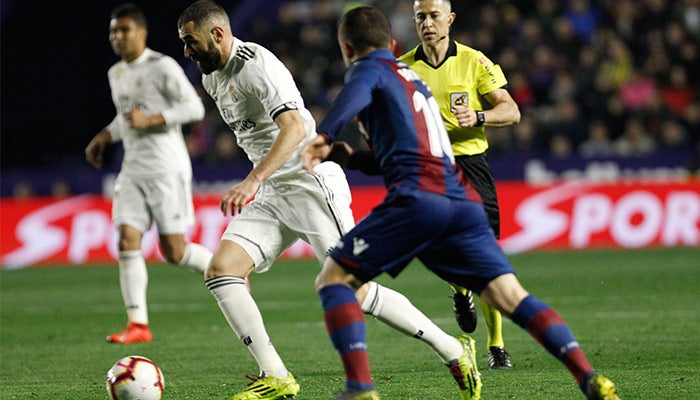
x=437 y=134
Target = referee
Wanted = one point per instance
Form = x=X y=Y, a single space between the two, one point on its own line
x=462 y=79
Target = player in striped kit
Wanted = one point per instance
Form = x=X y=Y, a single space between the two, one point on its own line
x=259 y=100
x=153 y=99
x=402 y=123
x=461 y=79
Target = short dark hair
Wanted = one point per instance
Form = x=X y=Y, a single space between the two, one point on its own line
x=130 y=10
x=200 y=11
x=364 y=28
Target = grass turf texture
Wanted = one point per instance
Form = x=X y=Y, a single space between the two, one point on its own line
x=635 y=313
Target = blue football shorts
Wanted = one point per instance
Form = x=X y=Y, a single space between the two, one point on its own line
x=451 y=237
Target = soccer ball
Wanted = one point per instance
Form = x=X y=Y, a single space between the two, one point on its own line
x=135 y=378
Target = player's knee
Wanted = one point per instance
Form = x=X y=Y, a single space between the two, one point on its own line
x=326 y=278
x=226 y=263
x=216 y=268
x=332 y=274
x=320 y=282
x=362 y=292
x=504 y=293
x=129 y=238
x=127 y=243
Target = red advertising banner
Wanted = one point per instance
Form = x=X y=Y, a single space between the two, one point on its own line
x=577 y=214
x=571 y=215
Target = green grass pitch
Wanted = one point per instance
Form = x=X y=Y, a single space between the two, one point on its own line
x=636 y=314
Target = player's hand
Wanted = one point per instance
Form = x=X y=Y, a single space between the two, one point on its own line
x=465 y=116
x=315 y=152
x=340 y=153
x=238 y=196
x=137 y=119
x=95 y=150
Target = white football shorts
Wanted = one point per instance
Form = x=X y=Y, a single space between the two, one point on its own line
x=314 y=207
x=164 y=199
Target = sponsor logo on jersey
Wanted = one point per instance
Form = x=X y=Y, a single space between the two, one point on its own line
x=358 y=246
x=242 y=125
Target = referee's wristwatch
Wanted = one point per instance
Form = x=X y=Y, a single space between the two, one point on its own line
x=480 y=119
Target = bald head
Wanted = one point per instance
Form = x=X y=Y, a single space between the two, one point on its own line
x=433 y=19
x=444 y=4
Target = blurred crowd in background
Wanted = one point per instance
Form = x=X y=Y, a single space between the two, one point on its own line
x=592 y=78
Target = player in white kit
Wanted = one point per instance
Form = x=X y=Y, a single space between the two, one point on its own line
x=153 y=98
x=258 y=99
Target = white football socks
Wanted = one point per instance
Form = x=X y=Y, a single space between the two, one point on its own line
x=244 y=317
x=133 y=280
x=395 y=310
x=196 y=257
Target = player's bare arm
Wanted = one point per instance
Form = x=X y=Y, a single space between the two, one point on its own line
x=505 y=110
x=292 y=132
x=94 y=152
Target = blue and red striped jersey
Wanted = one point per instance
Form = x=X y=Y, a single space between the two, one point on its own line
x=401 y=121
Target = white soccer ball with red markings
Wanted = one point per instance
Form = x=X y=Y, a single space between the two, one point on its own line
x=135 y=378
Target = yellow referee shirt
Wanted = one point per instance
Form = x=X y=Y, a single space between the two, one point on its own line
x=461 y=79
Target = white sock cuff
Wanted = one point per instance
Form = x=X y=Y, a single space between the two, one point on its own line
x=129 y=254
x=372 y=304
x=223 y=282
x=196 y=257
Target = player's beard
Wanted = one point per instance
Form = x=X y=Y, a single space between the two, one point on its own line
x=208 y=61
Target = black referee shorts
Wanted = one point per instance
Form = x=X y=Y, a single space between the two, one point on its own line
x=476 y=169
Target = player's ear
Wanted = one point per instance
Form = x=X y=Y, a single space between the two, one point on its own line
x=393 y=45
x=451 y=18
x=347 y=50
x=143 y=32
x=217 y=34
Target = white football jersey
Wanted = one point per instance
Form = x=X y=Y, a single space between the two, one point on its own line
x=251 y=91
x=154 y=83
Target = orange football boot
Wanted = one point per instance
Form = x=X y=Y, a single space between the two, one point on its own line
x=133 y=333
